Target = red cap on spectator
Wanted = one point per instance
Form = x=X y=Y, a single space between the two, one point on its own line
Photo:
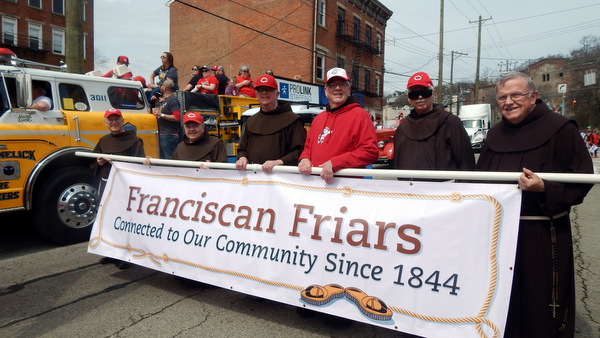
x=193 y=117
x=111 y=112
x=265 y=81
x=141 y=79
x=123 y=59
x=419 y=79
x=216 y=67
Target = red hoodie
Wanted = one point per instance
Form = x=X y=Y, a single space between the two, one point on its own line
x=346 y=137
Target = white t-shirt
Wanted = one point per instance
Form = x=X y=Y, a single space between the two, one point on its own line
x=45 y=99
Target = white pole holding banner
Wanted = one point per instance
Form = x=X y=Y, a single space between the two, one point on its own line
x=375 y=173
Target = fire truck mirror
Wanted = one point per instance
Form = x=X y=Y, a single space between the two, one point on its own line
x=24 y=99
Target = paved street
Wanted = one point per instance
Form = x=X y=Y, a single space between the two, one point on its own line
x=50 y=291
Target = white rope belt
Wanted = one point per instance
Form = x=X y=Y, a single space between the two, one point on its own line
x=543 y=218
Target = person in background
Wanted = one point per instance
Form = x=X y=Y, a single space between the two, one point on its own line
x=274 y=135
x=342 y=136
x=196 y=76
x=121 y=60
x=244 y=84
x=430 y=137
x=168 y=116
x=221 y=77
x=40 y=100
x=269 y=72
x=118 y=142
x=531 y=139
x=208 y=84
x=231 y=89
x=167 y=70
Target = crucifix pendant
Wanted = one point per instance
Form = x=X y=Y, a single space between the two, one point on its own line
x=554 y=306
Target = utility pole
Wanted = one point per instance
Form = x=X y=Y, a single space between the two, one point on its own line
x=480 y=21
x=509 y=65
x=440 y=95
x=74 y=36
x=452 y=74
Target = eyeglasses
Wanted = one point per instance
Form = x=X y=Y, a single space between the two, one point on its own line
x=341 y=85
x=163 y=57
x=194 y=69
x=424 y=93
x=513 y=96
x=246 y=71
x=205 y=70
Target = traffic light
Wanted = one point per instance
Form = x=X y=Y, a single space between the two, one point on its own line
x=574 y=102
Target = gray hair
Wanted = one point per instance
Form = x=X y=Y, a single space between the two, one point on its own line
x=243 y=68
x=169 y=83
x=516 y=75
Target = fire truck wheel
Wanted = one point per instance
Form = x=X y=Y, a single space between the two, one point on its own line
x=65 y=206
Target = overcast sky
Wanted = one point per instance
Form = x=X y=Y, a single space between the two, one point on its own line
x=517 y=31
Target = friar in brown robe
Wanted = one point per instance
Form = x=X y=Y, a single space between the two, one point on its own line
x=206 y=148
x=271 y=135
x=430 y=138
x=118 y=142
x=531 y=136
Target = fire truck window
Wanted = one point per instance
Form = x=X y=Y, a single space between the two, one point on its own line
x=45 y=86
x=73 y=97
x=7 y=99
x=126 y=98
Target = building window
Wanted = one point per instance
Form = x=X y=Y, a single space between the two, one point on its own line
x=356 y=30
x=58 y=41
x=341 y=23
x=368 y=33
x=378 y=44
x=35 y=35
x=377 y=85
x=58 y=7
x=355 y=75
x=35 y=3
x=321 y=12
x=340 y=62
x=367 y=81
x=320 y=66
x=9 y=30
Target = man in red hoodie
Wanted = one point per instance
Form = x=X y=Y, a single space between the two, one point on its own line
x=342 y=136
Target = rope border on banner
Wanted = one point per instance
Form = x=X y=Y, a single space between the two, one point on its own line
x=346 y=191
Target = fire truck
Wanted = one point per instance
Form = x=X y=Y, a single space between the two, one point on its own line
x=39 y=171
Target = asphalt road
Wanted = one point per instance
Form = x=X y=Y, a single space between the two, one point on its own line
x=52 y=291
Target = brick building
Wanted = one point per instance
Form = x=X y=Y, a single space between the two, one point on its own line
x=296 y=39
x=36 y=30
x=547 y=74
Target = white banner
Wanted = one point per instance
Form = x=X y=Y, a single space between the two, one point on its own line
x=432 y=259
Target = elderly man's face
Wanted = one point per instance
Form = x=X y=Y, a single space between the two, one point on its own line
x=114 y=123
x=421 y=98
x=193 y=130
x=337 y=91
x=515 y=100
x=267 y=97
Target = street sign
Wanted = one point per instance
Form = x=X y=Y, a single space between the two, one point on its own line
x=562 y=87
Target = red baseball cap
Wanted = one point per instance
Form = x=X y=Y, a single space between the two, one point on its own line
x=216 y=67
x=111 y=112
x=419 y=79
x=336 y=72
x=193 y=117
x=141 y=79
x=123 y=59
x=265 y=81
